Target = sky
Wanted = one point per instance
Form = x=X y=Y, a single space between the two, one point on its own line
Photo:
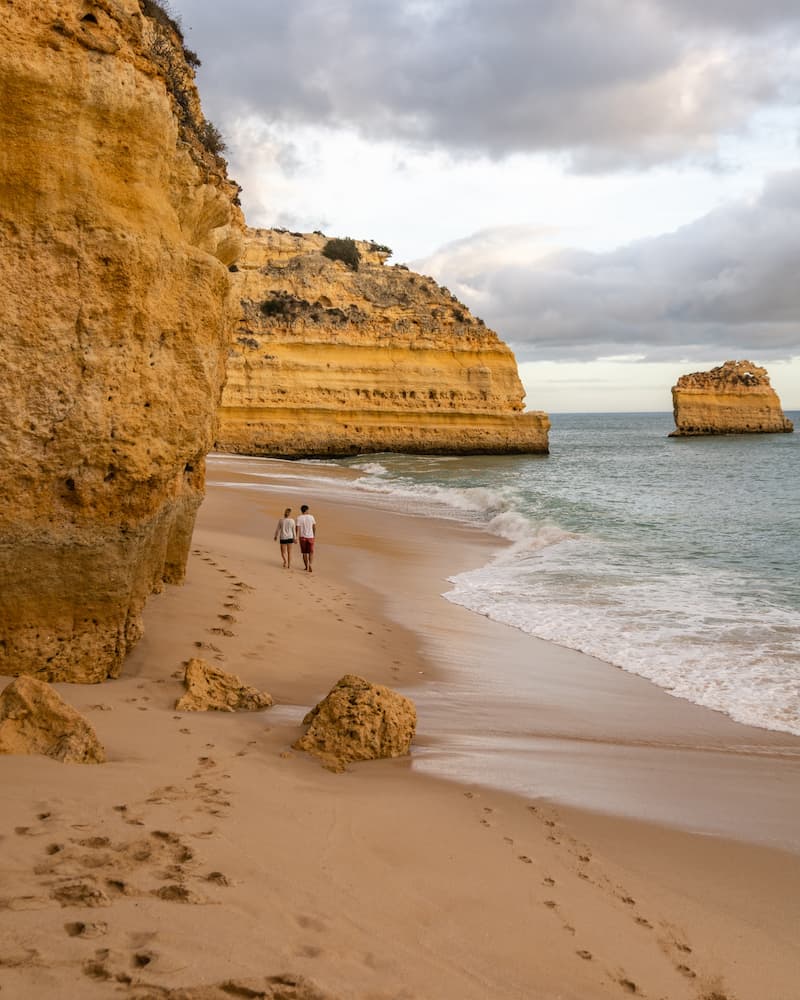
x=611 y=185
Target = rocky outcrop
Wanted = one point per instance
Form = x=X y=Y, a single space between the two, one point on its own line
x=735 y=398
x=117 y=226
x=210 y=689
x=358 y=721
x=329 y=360
x=34 y=718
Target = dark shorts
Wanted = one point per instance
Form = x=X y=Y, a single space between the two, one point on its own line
x=307 y=545
x=287 y=541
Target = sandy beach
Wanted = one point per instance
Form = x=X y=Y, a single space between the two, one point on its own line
x=562 y=829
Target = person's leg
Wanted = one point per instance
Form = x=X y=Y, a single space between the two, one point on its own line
x=283 y=554
x=288 y=556
x=310 y=555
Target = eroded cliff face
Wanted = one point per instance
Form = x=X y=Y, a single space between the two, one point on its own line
x=333 y=361
x=117 y=224
x=735 y=398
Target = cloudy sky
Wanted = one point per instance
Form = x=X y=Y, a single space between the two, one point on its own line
x=612 y=185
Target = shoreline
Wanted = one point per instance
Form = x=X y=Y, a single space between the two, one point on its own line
x=225 y=856
x=587 y=732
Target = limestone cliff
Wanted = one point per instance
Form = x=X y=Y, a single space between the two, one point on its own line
x=332 y=360
x=117 y=226
x=735 y=398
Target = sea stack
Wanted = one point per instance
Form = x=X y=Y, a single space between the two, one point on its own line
x=338 y=353
x=117 y=226
x=735 y=398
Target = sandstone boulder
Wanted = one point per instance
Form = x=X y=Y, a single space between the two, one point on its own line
x=735 y=398
x=329 y=360
x=117 y=226
x=210 y=689
x=358 y=720
x=34 y=718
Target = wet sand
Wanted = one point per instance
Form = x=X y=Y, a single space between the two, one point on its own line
x=207 y=851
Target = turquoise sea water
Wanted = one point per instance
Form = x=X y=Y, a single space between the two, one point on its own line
x=675 y=559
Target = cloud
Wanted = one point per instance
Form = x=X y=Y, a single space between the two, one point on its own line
x=607 y=83
x=725 y=285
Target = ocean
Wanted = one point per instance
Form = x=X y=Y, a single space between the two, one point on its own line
x=672 y=558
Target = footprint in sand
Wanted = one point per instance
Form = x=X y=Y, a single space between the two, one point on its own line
x=311 y=923
x=221 y=631
x=208 y=645
x=79 y=928
x=218 y=878
x=227 y=618
x=584 y=954
x=233 y=606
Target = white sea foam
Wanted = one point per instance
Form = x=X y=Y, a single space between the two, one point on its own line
x=686 y=637
x=370 y=468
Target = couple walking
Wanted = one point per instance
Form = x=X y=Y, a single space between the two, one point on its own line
x=288 y=532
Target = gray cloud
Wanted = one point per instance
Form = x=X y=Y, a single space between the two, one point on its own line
x=609 y=83
x=726 y=285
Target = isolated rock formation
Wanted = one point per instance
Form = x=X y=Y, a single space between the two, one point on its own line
x=735 y=398
x=117 y=226
x=210 y=689
x=329 y=360
x=358 y=721
x=34 y=718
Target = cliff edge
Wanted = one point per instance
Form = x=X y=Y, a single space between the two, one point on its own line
x=735 y=398
x=117 y=226
x=334 y=358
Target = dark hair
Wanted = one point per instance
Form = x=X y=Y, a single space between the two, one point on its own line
x=304 y=508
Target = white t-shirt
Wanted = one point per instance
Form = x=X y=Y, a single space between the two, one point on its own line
x=305 y=525
x=285 y=529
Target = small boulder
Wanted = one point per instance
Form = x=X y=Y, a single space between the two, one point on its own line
x=358 y=721
x=210 y=689
x=34 y=718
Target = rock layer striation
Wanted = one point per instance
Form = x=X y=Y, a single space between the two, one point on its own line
x=117 y=226
x=735 y=398
x=329 y=360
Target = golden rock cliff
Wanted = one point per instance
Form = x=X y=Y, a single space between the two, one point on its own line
x=117 y=224
x=735 y=398
x=329 y=360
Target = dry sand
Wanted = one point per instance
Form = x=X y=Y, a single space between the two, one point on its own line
x=207 y=852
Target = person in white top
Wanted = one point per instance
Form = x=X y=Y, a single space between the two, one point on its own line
x=285 y=532
x=307 y=532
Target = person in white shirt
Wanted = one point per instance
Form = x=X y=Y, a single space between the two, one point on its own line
x=307 y=533
x=285 y=532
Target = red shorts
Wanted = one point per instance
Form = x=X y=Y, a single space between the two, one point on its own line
x=307 y=545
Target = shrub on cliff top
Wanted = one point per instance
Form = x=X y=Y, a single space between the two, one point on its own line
x=343 y=250
x=159 y=11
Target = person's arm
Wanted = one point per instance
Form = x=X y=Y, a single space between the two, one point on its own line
x=277 y=529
